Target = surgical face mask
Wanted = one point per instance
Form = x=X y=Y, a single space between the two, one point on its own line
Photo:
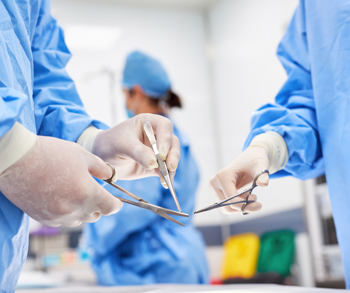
x=129 y=113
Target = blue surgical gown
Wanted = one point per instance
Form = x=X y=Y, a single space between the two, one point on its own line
x=36 y=91
x=312 y=110
x=136 y=246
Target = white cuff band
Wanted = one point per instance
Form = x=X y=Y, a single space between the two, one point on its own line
x=87 y=138
x=14 y=144
x=277 y=148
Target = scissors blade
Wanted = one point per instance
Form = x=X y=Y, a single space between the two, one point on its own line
x=147 y=127
x=162 y=212
x=172 y=191
x=166 y=216
x=155 y=209
x=171 y=212
x=208 y=208
x=164 y=170
x=124 y=191
x=226 y=202
x=141 y=203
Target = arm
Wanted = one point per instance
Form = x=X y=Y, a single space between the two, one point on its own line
x=59 y=112
x=293 y=116
x=284 y=137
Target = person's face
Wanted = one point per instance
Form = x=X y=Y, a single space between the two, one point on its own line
x=129 y=99
x=136 y=101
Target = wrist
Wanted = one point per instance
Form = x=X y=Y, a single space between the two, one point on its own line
x=14 y=144
x=88 y=137
x=103 y=147
x=276 y=148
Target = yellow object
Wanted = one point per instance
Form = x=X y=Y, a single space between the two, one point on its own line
x=240 y=256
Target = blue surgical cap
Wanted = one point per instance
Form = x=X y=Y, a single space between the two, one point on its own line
x=147 y=72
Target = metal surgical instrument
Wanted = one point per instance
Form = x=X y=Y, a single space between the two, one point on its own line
x=226 y=202
x=141 y=203
x=147 y=127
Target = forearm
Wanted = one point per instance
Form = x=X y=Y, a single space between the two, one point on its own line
x=14 y=145
x=300 y=135
x=58 y=109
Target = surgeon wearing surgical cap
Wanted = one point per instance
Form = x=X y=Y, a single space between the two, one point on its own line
x=306 y=132
x=50 y=148
x=137 y=247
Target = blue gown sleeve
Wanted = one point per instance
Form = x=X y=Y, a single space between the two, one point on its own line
x=59 y=112
x=15 y=85
x=293 y=115
x=11 y=105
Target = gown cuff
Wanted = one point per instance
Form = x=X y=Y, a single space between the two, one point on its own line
x=14 y=144
x=87 y=138
x=277 y=148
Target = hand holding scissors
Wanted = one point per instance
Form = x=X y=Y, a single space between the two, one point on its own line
x=163 y=212
x=250 y=167
x=245 y=198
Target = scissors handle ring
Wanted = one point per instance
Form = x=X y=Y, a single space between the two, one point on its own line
x=253 y=186
x=114 y=174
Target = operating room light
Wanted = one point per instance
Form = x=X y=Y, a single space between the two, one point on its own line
x=92 y=37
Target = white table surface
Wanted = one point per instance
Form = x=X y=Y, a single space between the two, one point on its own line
x=246 y=288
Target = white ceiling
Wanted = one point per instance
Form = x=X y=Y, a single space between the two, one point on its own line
x=177 y=4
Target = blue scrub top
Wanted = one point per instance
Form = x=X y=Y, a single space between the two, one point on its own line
x=36 y=91
x=137 y=247
x=312 y=110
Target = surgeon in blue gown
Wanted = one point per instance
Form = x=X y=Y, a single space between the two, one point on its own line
x=306 y=132
x=136 y=247
x=49 y=147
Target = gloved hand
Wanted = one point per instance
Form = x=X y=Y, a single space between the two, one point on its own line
x=267 y=151
x=126 y=147
x=52 y=183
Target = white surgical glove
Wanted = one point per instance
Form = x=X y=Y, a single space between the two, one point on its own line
x=267 y=151
x=52 y=181
x=127 y=148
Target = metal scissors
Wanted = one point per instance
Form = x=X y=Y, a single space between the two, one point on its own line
x=226 y=202
x=147 y=127
x=141 y=203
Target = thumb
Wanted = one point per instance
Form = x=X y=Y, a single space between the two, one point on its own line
x=106 y=202
x=260 y=163
x=98 y=168
x=263 y=179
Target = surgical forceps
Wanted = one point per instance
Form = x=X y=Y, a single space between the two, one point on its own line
x=226 y=202
x=147 y=127
x=141 y=203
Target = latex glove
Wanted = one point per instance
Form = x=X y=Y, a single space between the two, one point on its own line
x=126 y=147
x=267 y=151
x=53 y=184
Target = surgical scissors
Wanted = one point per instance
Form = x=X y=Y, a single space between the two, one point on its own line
x=226 y=202
x=147 y=127
x=141 y=203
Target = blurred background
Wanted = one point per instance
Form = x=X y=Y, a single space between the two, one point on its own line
x=220 y=57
